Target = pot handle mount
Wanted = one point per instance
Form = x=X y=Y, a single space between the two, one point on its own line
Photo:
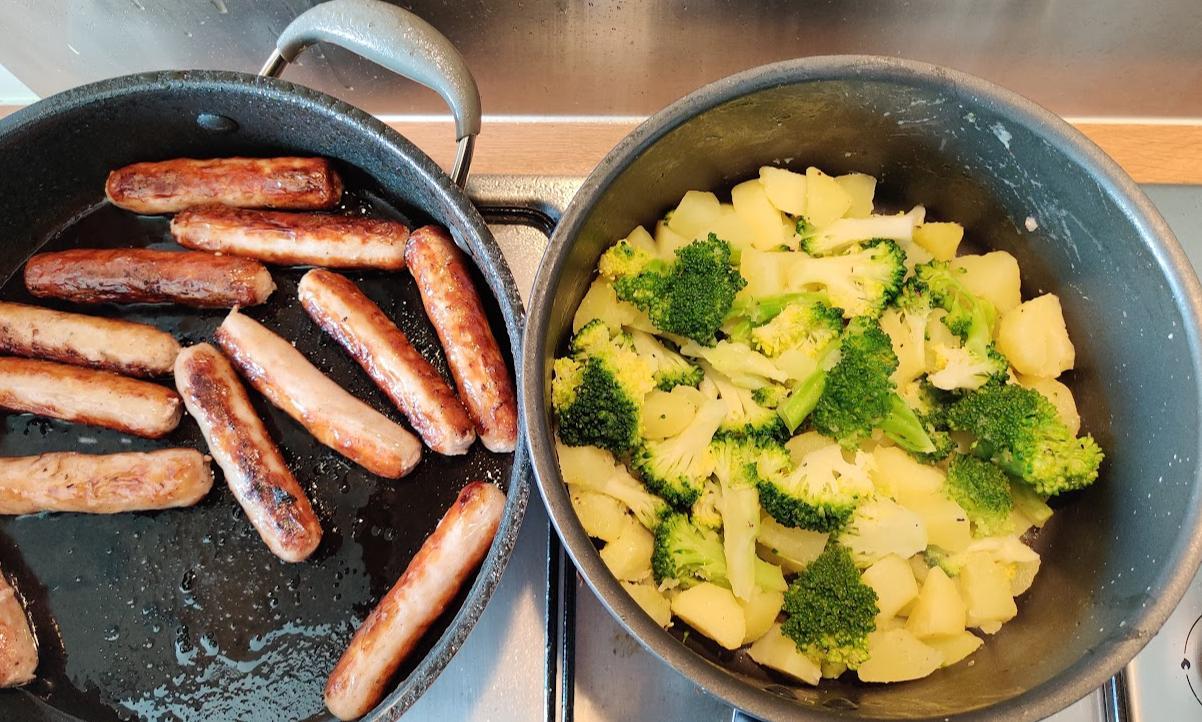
x=399 y=41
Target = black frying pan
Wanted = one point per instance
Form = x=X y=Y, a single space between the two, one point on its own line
x=185 y=614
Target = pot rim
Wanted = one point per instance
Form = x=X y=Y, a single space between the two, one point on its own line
x=1083 y=676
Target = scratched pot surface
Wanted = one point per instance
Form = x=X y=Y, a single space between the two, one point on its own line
x=184 y=614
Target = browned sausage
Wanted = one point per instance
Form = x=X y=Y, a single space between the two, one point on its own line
x=18 y=650
x=253 y=467
x=454 y=308
x=294 y=239
x=339 y=307
x=134 y=349
x=335 y=418
x=85 y=396
x=173 y=185
x=103 y=483
x=141 y=275
x=432 y=579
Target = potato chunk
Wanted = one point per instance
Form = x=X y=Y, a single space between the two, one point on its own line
x=985 y=587
x=893 y=581
x=861 y=188
x=898 y=475
x=667 y=413
x=603 y=517
x=826 y=200
x=759 y=612
x=940 y=239
x=993 y=276
x=955 y=647
x=628 y=556
x=695 y=213
x=653 y=602
x=1035 y=339
x=752 y=204
x=776 y=651
x=947 y=525
x=939 y=610
x=796 y=548
x=714 y=612
x=786 y=189
x=896 y=656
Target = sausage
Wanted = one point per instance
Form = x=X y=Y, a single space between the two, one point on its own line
x=134 y=349
x=141 y=275
x=173 y=185
x=434 y=576
x=103 y=483
x=294 y=239
x=417 y=389
x=18 y=649
x=86 y=396
x=472 y=352
x=253 y=467
x=334 y=417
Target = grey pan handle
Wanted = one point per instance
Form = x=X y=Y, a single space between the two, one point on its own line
x=399 y=41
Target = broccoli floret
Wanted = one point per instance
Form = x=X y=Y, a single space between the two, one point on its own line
x=859 y=395
x=744 y=415
x=597 y=392
x=669 y=368
x=806 y=392
x=739 y=504
x=736 y=361
x=686 y=553
x=1018 y=429
x=830 y=610
x=983 y=491
x=976 y=362
x=705 y=510
x=860 y=281
x=676 y=468
x=807 y=326
x=769 y=396
x=689 y=296
x=821 y=493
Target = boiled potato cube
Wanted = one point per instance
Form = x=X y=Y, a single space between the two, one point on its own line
x=802 y=444
x=764 y=271
x=947 y=525
x=601 y=301
x=940 y=239
x=786 y=189
x=759 y=612
x=954 y=647
x=752 y=204
x=1060 y=396
x=582 y=463
x=897 y=655
x=990 y=627
x=939 y=609
x=918 y=565
x=730 y=227
x=666 y=413
x=985 y=587
x=695 y=213
x=667 y=241
x=1032 y=506
x=776 y=651
x=1033 y=336
x=893 y=581
x=993 y=276
x=654 y=603
x=797 y=547
x=909 y=343
x=1022 y=576
x=603 y=517
x=826 y=200
x=898 y=475
x=861 y=188
x=628 y=556
x=642 y=240
x=714 y=612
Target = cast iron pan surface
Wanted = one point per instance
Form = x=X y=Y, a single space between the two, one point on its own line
x=185 y=614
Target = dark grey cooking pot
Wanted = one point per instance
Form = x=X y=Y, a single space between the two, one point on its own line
x=1116 y=558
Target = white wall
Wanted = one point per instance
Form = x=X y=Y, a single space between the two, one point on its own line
x=13 y=91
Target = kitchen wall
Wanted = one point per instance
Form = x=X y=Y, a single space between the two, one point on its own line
x=631 y=57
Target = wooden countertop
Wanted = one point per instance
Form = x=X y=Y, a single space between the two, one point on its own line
x=1168 y=152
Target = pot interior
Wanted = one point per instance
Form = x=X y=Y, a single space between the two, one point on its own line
x=1017 y=185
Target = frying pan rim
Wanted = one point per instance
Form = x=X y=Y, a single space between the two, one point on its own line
x=470 y=232
x=1076 y=680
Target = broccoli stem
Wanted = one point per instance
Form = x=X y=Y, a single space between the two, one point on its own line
x=794 y=410
x=905 y=428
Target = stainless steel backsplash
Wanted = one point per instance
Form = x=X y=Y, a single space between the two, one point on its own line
x=631 y=57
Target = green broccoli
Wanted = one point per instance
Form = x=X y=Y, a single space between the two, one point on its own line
x=676 y=468
x=739 y=504
x=770 y=396
x=687 y=553
x=983 y=491
x=976 y=362
x=669 y=367
x=1017 y=428
x=859 y=395
x=705 y=511
x=745 y=416
x=805 y=326
x=597 y=391
x=689 y=296
x=830 y=611
x=806 y=392
x=860 y=281
x=820 y=494
x=736 y=361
